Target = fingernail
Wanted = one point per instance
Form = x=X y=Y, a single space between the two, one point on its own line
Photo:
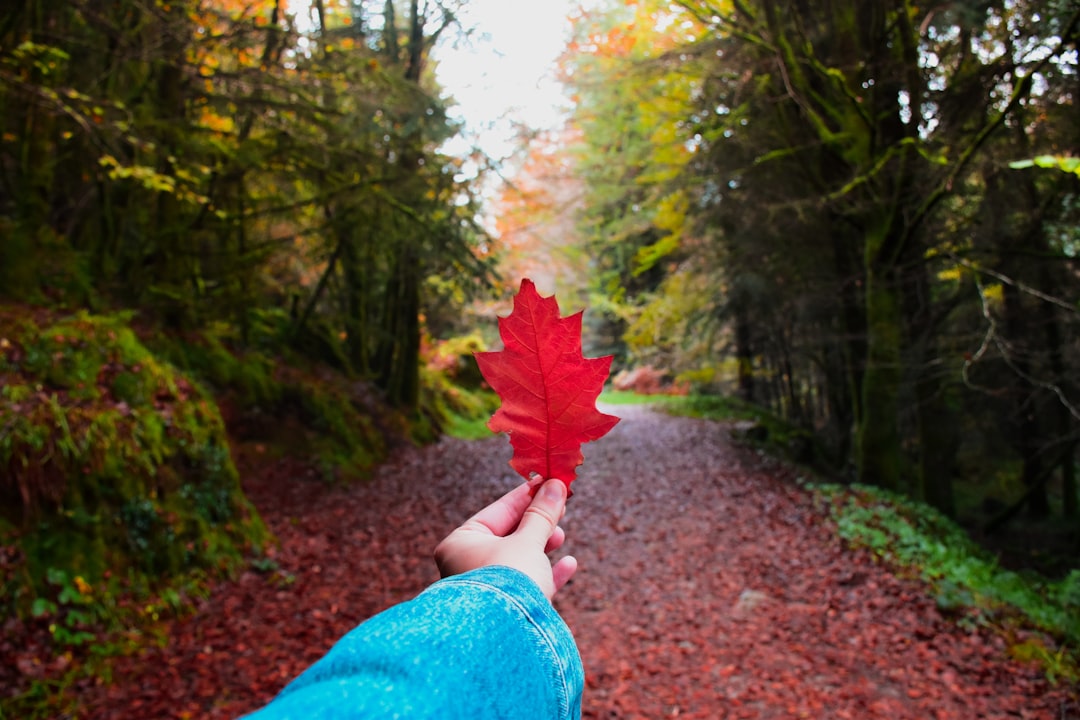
x=553 y=490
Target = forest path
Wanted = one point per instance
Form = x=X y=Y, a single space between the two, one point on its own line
x=709 y=587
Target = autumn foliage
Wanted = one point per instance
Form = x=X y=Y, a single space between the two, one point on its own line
x=547 y=386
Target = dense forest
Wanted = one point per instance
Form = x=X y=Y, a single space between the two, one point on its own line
x=862 y=216
x=234 y=186
x=233 y=224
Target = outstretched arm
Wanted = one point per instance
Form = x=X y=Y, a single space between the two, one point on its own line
x=482 y=643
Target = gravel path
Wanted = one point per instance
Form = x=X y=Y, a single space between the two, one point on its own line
x=709 y=587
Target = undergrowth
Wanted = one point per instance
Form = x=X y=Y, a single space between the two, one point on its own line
x=122 y=503
x=454 y=391
x=112 y=460
x=756 y=426
x=965 y=579
x=463 y=411
x=274 y=394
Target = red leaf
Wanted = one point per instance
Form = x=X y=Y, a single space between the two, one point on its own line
x=548 y=388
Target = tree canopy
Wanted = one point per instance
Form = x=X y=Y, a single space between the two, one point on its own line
x=861 y=214
x=205 y=162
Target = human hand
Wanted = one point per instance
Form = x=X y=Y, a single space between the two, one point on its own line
x=516 y=531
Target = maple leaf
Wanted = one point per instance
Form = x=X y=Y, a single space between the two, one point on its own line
x=548 y=388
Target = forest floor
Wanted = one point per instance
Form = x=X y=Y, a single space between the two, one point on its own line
x=710 y=586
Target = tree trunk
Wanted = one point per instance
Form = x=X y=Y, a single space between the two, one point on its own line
x=1025 y=418
x=398 y=357
x=744 y=354
x=935 y=424
x=174 y=273
x=1060 y=377
x=356 y=296
x=878 y=458
x=32 y=184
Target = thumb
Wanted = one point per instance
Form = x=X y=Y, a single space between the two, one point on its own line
x=543 y=514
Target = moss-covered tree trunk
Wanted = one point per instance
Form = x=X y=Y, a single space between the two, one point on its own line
x=878 y=458
x=1063 y=419
x=355 y=275
x=845 y=387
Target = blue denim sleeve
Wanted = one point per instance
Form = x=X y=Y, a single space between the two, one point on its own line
x=485 y=644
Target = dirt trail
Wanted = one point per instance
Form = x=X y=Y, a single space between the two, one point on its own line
x=709 y=588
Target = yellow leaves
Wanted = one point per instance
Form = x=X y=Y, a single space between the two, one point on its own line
x=45 y=59
x=653 y=324
x=647 y=257
x=993 y=293
x=344 y=45
x=671 y=212
x=142 y=174
x=152 y=180
x=670 y=216
x=218 y=123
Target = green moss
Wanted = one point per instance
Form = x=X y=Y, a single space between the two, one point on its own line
x=249 y=374
x=305 y=410
x=114 y=462
x=461 y=411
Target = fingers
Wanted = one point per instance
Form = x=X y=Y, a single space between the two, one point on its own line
x=502 y=516
x=517 y=530
x=542 y=516
x=563 y=570
x=556 y=540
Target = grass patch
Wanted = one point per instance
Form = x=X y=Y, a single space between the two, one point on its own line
x=625 y=397
x=965 y=578
x=718 y=407
x=466 y=428
x=461 y=409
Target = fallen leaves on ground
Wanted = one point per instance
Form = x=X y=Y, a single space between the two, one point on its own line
x=709 y=588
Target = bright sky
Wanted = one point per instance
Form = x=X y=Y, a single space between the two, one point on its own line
x=505 y=71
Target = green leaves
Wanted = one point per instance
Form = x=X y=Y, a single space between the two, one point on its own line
x=45 y=58
x=1060 y=162
x=915 y=535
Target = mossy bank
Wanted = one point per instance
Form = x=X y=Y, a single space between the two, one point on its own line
x=113 y=464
